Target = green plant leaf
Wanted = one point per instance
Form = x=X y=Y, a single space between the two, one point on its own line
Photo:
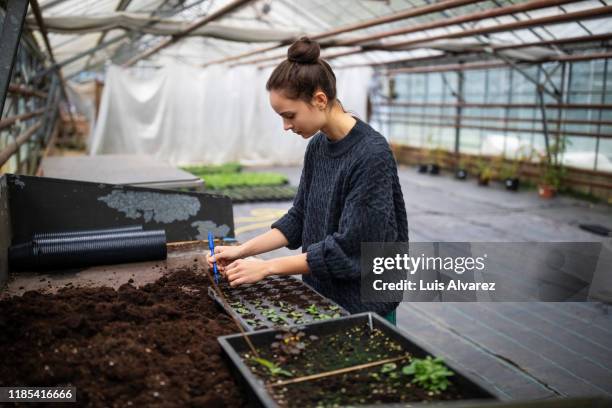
x=273 y=368
x=429 y=373
x=386 y=368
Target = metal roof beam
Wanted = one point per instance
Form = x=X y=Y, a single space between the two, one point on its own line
x=234 y=5
x=402 y=15
x=476 y=16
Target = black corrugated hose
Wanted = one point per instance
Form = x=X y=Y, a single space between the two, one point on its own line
x=76 y=249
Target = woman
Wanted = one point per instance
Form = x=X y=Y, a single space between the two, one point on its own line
x=349 y=191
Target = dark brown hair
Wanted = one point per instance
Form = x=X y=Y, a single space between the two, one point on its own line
x=303 y=73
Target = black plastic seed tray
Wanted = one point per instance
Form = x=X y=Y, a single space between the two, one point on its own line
x=473 y=390
x=275 y=302
x=258 y=193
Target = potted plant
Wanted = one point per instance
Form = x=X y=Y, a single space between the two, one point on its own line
x=461 y=171
x=422 y=167
x=551 y=179
x=509 y=175
x=433 y=157
x=436 y=160
x=484 y=171
x=552 y=171
x=510 y=171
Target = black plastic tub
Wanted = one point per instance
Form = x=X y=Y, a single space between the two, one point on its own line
x=234 y=345
x=258 y=298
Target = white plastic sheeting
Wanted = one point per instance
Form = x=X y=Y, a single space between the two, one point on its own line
x=186 y=115
x=158 y=26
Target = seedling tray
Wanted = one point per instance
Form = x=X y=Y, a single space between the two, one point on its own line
x=258 y=193
x=276 y=301
x=339 y=337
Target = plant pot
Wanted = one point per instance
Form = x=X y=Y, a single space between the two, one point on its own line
x=511 y=183
x=461 y=174
x=483 y=181
x=433 y=169
x=322 y=354
x=546 y=191
x=422 y=168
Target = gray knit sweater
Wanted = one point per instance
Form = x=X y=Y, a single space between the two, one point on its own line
x=349 y=193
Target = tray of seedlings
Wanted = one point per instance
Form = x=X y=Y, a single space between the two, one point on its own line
x=353 y=360
x=276 y=301
x=258 y=193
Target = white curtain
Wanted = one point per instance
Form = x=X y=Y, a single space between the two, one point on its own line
x=185 y=115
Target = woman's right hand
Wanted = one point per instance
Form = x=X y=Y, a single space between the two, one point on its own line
x=224 y=255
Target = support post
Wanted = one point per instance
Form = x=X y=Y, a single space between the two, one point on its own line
x=11 y=34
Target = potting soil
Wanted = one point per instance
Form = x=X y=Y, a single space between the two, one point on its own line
x=149 y=346
x=341 y=349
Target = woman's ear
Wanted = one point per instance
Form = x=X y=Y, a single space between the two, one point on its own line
x=319 y=100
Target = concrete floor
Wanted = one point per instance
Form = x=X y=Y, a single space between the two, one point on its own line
x=524 y=350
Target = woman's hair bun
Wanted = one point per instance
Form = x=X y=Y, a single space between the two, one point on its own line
x=304 y=51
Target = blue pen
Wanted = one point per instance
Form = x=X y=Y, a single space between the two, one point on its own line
x=211 y=245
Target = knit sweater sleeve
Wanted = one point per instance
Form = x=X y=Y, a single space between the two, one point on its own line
x=292 y=223
x=367 y=216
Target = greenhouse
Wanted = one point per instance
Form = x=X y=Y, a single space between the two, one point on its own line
x=282 y=203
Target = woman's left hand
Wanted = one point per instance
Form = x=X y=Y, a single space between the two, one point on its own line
x=243 y=271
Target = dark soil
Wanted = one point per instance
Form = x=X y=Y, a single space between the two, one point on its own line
x=343 y=349
x=150 y=346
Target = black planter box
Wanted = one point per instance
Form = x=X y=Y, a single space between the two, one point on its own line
x=265 y=290
x=233 y=345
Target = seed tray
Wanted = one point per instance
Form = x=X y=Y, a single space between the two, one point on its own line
x=276 y=301
x=467 y=388
x=258 y=193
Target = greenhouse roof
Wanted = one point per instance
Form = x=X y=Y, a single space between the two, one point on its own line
x=87 y=35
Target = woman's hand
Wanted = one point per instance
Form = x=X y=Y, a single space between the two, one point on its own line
x=224 y=255
x=245 y=271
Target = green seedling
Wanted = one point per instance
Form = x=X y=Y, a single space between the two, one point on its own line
x=429 y=373
x=312 y=309
x=295 y=315
x=333 y=308
x=278 y=319
x=273 y=368
x=250 y=322
x=390 y=370
x=242 y=310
